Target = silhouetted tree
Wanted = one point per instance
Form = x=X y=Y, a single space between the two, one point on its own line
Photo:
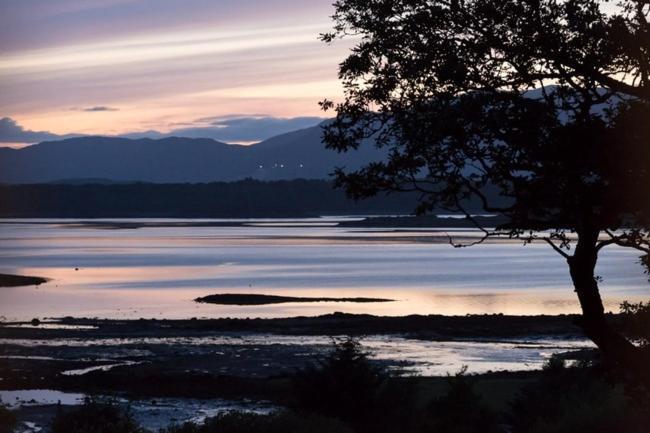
x=547 y=101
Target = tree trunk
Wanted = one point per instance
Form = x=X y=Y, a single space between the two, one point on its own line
x=617 y=351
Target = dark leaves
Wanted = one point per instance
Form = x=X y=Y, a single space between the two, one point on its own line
x=513 y=96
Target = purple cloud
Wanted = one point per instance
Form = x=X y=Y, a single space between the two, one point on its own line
x=12 y=132
x=97 y=108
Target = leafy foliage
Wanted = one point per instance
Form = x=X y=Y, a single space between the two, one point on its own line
x=636 y=321
x=524 y=96
x=545 y=101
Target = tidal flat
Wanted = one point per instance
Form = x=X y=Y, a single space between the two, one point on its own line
x=254 y=299
x=20 y=280
x=179 y=370
x=69 y=355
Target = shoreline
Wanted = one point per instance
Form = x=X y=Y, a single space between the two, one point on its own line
x=425 y=327
x=351 y=221
x=239 y=358
x=254 y=360
x=259 y=299
x=8 y=280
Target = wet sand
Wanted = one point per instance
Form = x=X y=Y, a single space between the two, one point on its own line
x=128 y=355
x=431 y=327
x=189 y=366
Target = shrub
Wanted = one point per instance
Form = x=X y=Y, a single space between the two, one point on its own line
x=7 y=420
x=95 y=417
x=578 y=399
x=347 y=386
x=344 y=384
x=461 y=409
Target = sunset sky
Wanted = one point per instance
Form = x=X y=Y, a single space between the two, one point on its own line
x=122 y=66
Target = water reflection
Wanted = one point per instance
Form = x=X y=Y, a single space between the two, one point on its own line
x=158 y=271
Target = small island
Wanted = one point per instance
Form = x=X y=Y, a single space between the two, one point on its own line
x=7 y=280
x=255 y=299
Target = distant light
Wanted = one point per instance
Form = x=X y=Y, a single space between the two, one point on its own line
x=301 y=166
x=261 y=166
x=281 y=165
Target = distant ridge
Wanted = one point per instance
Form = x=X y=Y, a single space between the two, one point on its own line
x=241 y=199
x=293 y=155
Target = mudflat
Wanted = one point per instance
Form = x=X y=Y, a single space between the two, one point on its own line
x=257 y=299
x=7 y=280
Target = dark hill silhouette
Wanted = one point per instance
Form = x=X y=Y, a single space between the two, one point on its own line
x=240 y=199
x=298 y=154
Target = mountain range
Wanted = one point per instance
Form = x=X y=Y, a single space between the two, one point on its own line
x=297 y=154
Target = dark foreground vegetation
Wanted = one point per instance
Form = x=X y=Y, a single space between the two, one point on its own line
x=242 y=199
x=7 y=420
x=344 y=393
x=254 y=299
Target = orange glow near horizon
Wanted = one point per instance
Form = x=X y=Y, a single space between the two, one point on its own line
x=158 y=64
x=163 y=71
x=283 y=100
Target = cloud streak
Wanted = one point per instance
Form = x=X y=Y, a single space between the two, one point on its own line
x=95 y=109
x=163 y=62
x=158 y=47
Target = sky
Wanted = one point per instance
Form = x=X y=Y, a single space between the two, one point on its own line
x=229 y=69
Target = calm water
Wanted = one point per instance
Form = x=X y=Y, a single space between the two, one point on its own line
x=158 y=271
